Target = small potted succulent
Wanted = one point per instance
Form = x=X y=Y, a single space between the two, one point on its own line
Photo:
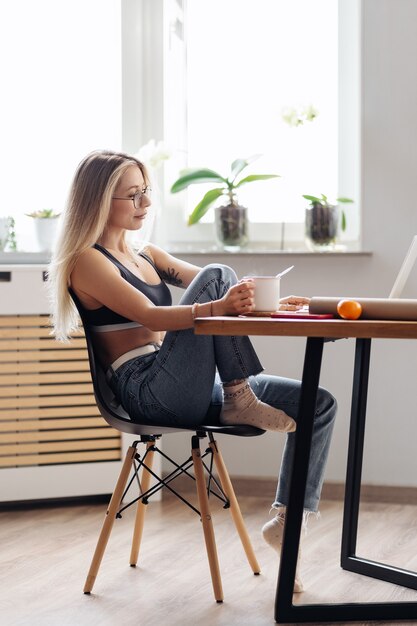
x=231 y=219
x=46 y=221
x=322 y=221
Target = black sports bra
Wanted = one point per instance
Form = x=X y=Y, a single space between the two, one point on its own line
x=104 y=319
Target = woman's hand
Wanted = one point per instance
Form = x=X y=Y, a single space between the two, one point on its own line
x=293 y=303
x=237 y=301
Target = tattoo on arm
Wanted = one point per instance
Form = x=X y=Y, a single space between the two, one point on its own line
x=171 y=277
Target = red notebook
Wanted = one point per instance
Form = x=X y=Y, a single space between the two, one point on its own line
x=302 y=316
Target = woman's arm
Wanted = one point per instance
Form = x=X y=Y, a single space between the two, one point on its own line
x=293 y=303
x=97 y=282
x=174 y=271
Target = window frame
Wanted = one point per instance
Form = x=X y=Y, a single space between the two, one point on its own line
x=149 y=28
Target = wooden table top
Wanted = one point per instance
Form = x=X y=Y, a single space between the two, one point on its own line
x=329 y=328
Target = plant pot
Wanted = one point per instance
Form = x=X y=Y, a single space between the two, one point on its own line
x=321 y=226
x=231 y=223
x=46 y=228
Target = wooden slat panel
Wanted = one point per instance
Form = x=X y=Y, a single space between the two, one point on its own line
x=48 y=401
x=105 y=432
x=42 y=378
x=46 y=355
x=52 y=366
x=47 y=377
x=58 y=446
x=33 y=331
x=61 y=459
x=27 y=425
x=35 y=344
x=44 y=390
x=71 y=411
x=24 y=320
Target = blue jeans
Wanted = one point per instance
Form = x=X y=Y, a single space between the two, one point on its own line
x=180 y=385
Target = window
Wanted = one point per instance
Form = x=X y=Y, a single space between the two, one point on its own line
x=240 y=81
x=61 y=98
x=237 y=71
x=210 y=77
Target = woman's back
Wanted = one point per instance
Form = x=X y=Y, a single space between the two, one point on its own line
x=114 y=334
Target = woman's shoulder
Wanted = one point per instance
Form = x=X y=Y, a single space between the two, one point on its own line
x=92 y=276
x=150 y=250
x=89 y=262
x=156 y=254
x=153 y=253
x=89 y=255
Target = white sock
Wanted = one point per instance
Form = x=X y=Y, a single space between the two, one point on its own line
x=241 y=406
x=273 y=532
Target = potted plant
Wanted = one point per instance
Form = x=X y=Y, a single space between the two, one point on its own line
x=231 y=218
x=322 y=221
x=46 y=224
x=7 y=233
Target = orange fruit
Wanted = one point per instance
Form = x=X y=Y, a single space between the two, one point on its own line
x=349 y=309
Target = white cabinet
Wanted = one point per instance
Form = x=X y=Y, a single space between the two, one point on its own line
x=53 y=441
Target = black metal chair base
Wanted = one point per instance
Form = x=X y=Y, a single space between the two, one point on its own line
x=214 y=487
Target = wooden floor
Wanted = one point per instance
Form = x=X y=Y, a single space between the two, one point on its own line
x=45 y=554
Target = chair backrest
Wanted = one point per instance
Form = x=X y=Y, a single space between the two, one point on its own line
x=110 y=409
x=118 y=418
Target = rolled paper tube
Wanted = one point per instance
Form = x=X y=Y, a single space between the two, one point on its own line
x=372 y=308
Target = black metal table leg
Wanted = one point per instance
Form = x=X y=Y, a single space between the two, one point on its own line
x=355 y=450
x=285 y=610
x=349 y=560
x=294 y=515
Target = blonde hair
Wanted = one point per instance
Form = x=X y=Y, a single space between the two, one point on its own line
x=82 y=224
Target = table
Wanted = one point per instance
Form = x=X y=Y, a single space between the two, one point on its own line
x=317 y=333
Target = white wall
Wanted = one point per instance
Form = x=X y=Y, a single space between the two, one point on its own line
x=388 y=173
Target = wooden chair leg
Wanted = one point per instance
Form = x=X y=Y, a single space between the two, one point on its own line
x=206 y=520
x=109 y=519
x=141 y=508
x=234 y=507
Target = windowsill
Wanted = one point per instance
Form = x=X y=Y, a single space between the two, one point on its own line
x=204 y=249
x=262 y=248
x=24 y=258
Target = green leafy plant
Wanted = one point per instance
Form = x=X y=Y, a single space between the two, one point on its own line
x=43 y=214
x=12 y=241
x=228 y=185
x=8 y=234
x=323 y=201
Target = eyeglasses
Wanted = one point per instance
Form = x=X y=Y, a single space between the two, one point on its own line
x=137 y=197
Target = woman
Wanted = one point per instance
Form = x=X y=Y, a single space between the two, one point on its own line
x=157 y=367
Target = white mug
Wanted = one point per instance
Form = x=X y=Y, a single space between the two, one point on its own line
x=267 y=292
